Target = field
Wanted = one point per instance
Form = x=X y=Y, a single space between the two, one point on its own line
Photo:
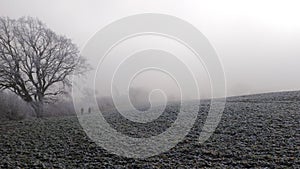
x=261 y=131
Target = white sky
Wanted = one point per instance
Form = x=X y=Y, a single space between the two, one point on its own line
x=258 y=41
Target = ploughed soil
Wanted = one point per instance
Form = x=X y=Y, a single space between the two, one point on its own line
x=256 y=131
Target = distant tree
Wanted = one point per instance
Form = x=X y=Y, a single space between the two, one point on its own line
x=35 y=62
x=139 y=98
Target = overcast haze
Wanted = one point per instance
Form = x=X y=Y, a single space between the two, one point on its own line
x=258 y=42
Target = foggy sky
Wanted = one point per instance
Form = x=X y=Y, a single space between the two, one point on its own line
x=258 y=42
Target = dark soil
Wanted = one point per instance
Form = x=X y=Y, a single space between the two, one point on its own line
x=258 y=131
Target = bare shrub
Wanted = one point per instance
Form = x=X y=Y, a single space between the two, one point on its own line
x=14 y=108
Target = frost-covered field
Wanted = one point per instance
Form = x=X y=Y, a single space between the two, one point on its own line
x=255 y=131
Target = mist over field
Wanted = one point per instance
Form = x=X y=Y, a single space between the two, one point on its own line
x=149 y=84
x=256 y=41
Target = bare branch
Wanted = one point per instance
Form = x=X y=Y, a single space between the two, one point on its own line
x=36 y=63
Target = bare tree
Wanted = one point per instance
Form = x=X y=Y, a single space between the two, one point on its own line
x=35 y=62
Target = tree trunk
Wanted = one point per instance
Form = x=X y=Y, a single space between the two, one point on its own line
x=38 y=107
